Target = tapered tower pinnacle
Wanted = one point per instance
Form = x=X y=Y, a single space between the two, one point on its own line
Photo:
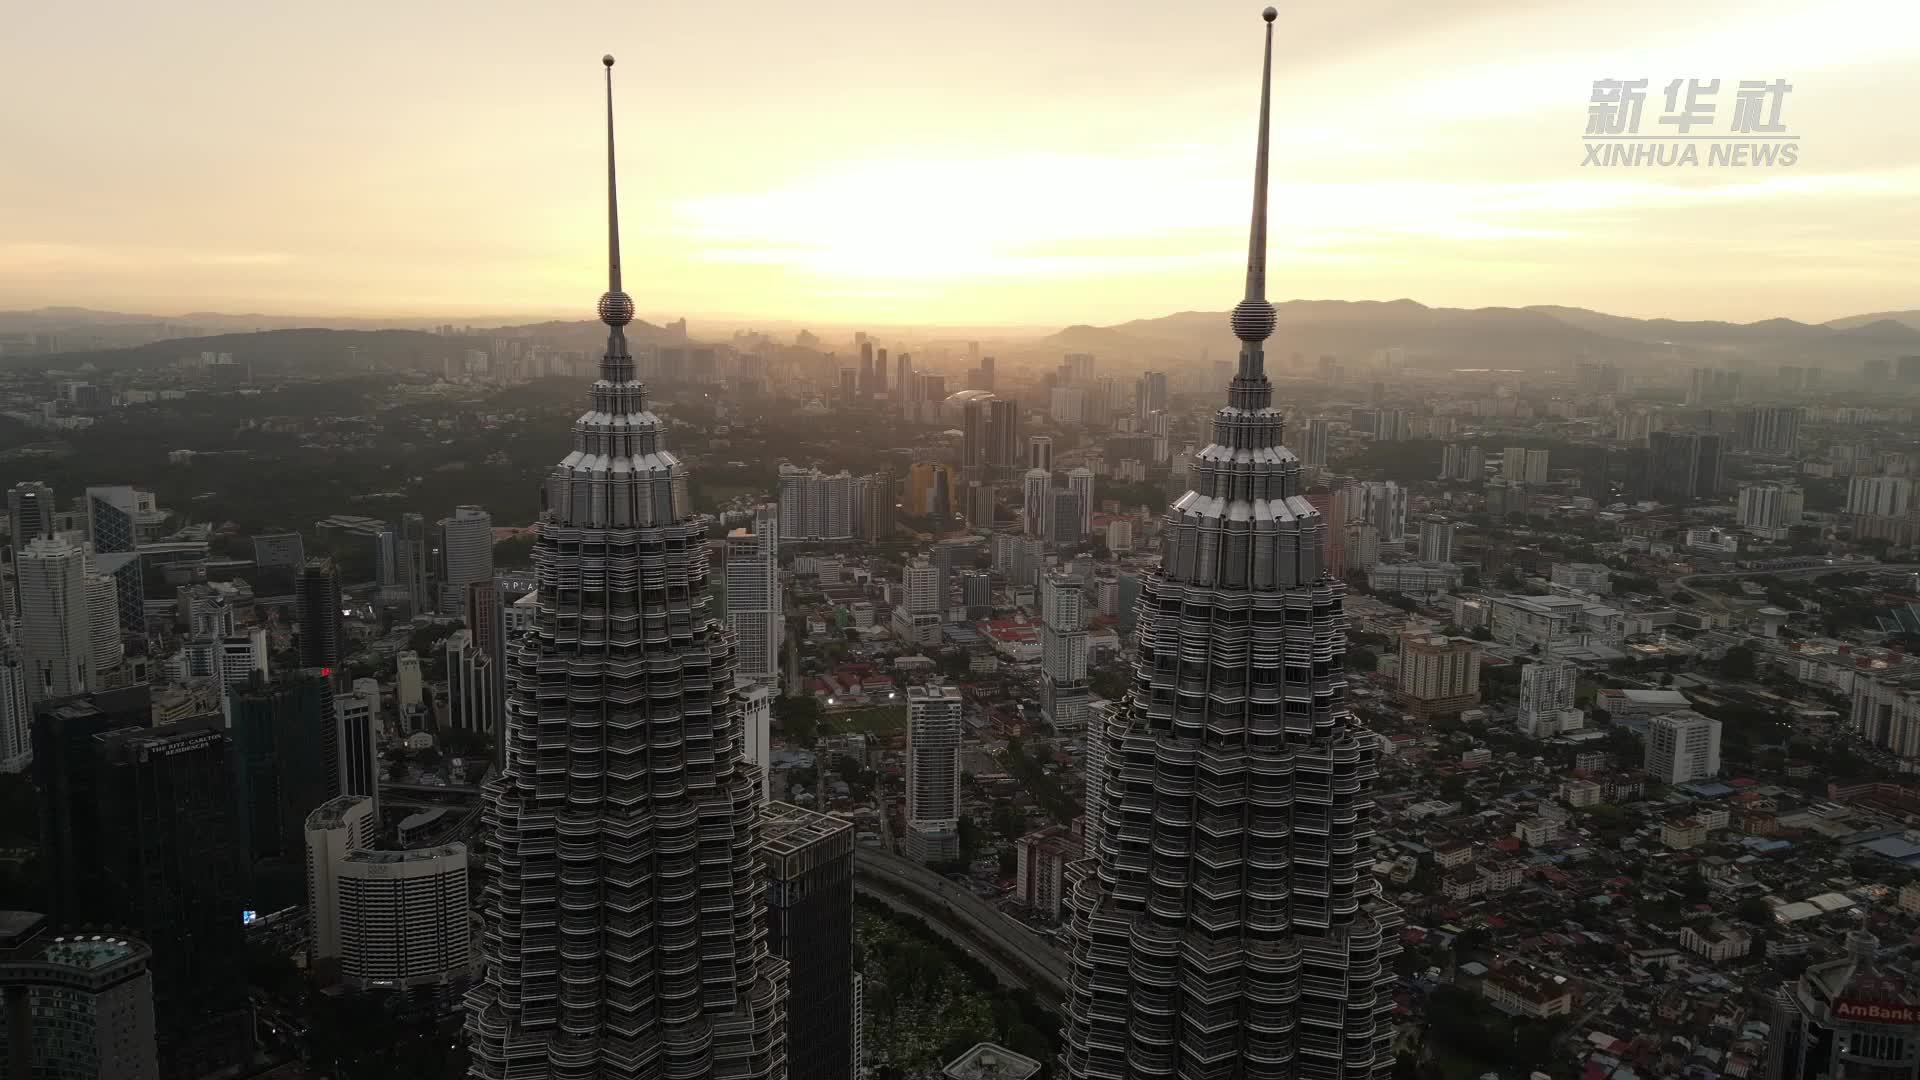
x=1253 y=317
x=616 y=307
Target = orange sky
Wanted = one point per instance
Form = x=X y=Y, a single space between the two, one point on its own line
x=861 y=161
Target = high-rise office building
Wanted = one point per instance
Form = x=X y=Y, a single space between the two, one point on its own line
x=403 y=917
x=1150 y=394
x=756 y=732
x=1080 y=483
x=486 y=617
x=113 y=518
x=287 y=737
x=1852 y=1016
x=1037 y=505
x=755 y=610
x=466 y=554
x=74 y=1006
x=356 y=717
x=876 y=508
x=1534 y=471
x=1682 y=465
x=56 y=626
x=1225 y=926
x=808 y=858
x=973 y=436
x=417 y=563
x=336 y=828
x=30 y=512
x=103 y=626
x=1682 y=746
x=624 y=916
x=1066 y=519
x=1064 y=686
x=471 y=704
x=1318 y=435
x=933 y=773
x=1003 y=434
x=1040 y=452
x=1436 y=541
x=16 y=706
x=322 y=628
x=123 y=803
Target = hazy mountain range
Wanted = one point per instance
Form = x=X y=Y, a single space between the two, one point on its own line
x=1528 y=338
x=1540 y=337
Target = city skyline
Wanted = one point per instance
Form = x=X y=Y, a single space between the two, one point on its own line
x=1022 y=186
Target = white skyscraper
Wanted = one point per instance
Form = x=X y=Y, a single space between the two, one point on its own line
x=1436 y=541
x=1547 y=699
x=472 y=704
x=755 y=610
x=1080 y=482
x=56 y=628
x=933 y=773
x=1037 y=506
x=1316 y=437
x=1879 y=496
x=404 y=917
x=1064 y=689
x=921 y=584
x=340 y=826
x=756 y=725
x=466 y=554
x=816 y=505
x=408 y=682
x=1770 y=510
x=1683 y=746
x=1513 y=465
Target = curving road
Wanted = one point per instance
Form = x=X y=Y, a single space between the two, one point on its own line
x=1014 y=953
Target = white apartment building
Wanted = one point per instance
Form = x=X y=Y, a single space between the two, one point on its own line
x=933 y=773
x=1683 y=746
x=339 y=827
x=1547 y=699
x=404 y=917
x=755 y=607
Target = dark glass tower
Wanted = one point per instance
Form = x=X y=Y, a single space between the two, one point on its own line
x=809 y=861
x=142 y=834
x=322 y=635
x=625 y=936
x=1222 y=928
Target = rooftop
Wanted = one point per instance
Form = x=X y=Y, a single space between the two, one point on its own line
x=786 y=828
x=990 y=1061
x=369 y=855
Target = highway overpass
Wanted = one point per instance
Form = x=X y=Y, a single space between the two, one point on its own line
x=1016 y=955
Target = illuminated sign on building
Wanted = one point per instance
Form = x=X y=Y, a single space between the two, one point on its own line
x=1877 y=1012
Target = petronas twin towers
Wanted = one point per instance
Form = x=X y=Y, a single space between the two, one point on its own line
x=1221 y=927
x=625 y=935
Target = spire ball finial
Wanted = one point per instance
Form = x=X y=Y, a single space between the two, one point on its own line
x=1269 y=15
x=608 y=59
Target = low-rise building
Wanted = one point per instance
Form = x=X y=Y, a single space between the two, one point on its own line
x=1716 y=942
x=1682 y=833
x=1520 y=992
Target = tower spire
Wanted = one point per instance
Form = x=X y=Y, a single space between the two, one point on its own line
x=616 y=307
x=1253 y=317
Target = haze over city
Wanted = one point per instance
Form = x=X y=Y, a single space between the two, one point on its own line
x=983 y=164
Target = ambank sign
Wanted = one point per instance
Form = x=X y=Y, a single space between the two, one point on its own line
x=1876 y=1012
